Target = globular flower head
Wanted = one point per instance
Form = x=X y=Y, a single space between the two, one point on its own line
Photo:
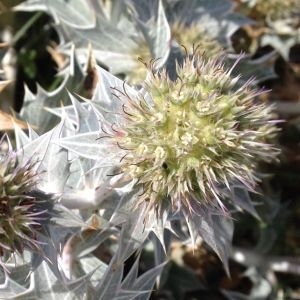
x=23 y=208
x=191 y=35
x=188 y=142
x=275 y=9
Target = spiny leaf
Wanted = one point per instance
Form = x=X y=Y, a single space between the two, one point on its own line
x=87 y=145
x=33 y=109
x=76 y=13
x=215 y=231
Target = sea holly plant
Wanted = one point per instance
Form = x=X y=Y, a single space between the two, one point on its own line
x=210 y=26
x=143 y=30
x=41 y=238
x=118 y=37
x=128 y=34
x=182 y=150
x=136 y=166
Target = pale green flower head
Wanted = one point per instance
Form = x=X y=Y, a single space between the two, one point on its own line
x=190 y=35
x=274 y=9
x=188 y=141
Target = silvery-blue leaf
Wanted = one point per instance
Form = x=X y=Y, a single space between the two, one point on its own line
x=68 y=218
x=116 y=62
x=50 y=246
x=32 y=134
x=44 y=280
x=132 y=274
x=91 y=264
x=85 y=118
x=106 y=90
x=158 y=225
x=10 y=288
x=21 y=137
x=215 y=230
x=31 y=5
x=35 y=149
x=147 y=280
x=18 y=272
x=243 y=200
x=144 y=9
x=103 y=36
x=57 y=166
x=92 y=241
x=230 y=295
x=140 y=287
x=161 y=249
x=33 y=109
x=160 y=35
x=110 y=284
x=76 y=13
x=88 y=145
x=133 y=234
x=194 y=10
x=67 y=112
x=118 y=8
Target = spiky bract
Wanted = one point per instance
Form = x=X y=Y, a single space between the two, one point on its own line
x=188 y=141
x=23 y=208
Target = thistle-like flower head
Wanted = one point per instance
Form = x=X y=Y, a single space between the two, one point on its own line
x=188 y=142
x=276 y=9
x=23 y=208
x=190 y=35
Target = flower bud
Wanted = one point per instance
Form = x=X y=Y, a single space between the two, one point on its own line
x=23 y=208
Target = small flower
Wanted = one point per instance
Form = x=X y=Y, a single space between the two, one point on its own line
x=23 y=208
x=190 y=35
x=187 y=142
x=275 y=9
